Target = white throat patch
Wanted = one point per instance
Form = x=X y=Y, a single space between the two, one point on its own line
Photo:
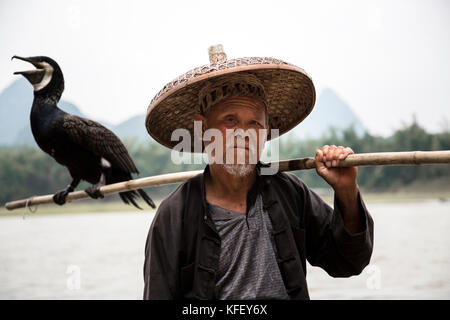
x=46 y=78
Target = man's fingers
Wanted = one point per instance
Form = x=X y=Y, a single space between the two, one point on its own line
x=345 y=153
x=341 y=154
x=336 y=151
x=319 y=159
x=329 y=153
x=349 y=150
x=324 y=152
x=332 y=154
x=319 y=155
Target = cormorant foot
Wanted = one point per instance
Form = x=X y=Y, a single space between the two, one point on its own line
x=60 y=197
x=94 y=192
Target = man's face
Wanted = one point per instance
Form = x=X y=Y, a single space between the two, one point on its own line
x=239 y=121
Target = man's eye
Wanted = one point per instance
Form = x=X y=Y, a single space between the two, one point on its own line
x=229 y=118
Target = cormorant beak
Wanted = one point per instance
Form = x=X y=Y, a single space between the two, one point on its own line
x=39 y=77
x=33 y=76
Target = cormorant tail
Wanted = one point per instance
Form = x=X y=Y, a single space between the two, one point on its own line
x=130 y=197
x=146 y=198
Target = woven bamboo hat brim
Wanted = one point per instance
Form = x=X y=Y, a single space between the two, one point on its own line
x=288 y=92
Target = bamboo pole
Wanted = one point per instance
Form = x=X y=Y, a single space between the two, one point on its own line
x=362 y=159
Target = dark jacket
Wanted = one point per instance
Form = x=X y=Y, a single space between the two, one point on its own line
x=183 y=246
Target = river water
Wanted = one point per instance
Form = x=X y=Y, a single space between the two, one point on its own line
x=101 y=255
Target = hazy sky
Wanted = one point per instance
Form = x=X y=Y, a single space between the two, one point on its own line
x=387 y=59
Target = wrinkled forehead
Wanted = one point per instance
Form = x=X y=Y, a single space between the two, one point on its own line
x=236 y=104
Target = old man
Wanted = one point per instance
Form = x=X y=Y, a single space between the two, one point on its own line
x=235 y=232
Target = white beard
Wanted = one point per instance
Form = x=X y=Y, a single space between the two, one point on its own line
x=240 y=170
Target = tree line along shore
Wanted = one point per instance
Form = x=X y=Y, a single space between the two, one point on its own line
x=26 y=170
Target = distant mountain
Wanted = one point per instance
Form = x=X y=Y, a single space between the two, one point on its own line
x=16 y=100
x=15 y=108
x=132 y=128
x=15 y=104
x=25 y=136
x=329 y=111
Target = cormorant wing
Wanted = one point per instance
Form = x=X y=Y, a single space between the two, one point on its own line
x=99 y=140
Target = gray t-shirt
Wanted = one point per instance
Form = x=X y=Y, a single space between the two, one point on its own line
x=248 y=267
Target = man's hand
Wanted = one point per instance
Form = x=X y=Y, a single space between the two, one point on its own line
x=327 y=159
x=343 y=181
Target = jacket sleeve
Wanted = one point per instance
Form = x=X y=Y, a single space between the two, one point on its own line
x=328 y=244
x=161 y=266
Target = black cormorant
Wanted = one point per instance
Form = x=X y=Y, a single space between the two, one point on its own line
x=90 y=151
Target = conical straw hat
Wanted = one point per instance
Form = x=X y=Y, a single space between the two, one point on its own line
x=287 y=90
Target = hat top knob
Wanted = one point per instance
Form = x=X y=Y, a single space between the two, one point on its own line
x=216 y=54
